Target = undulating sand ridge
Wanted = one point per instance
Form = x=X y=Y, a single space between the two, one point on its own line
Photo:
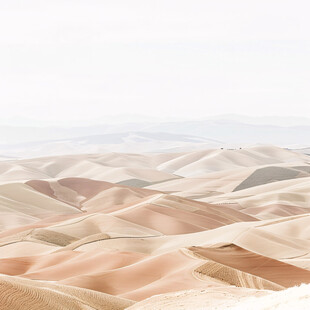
x=210 y=228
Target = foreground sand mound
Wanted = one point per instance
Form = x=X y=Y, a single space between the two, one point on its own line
x=207 y=299
x=229 y=298
x=17 y=294
x=292 y=298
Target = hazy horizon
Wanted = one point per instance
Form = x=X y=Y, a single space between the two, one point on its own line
x=284 y=121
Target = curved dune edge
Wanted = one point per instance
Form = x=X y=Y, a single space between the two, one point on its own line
x=233 y=276
x=231 y=255
x=17 y=293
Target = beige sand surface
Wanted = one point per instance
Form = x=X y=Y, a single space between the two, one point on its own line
x=229 y=298
x=207 y=229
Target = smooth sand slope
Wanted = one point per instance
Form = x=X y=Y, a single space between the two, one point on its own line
x=209 y=229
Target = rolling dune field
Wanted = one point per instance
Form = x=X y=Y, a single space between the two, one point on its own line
x=208 y=229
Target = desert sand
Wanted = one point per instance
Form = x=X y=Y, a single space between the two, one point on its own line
x=208 y=229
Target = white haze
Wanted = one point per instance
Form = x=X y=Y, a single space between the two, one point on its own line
x=66 y=61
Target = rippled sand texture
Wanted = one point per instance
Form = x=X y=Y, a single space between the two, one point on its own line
x=208 y=229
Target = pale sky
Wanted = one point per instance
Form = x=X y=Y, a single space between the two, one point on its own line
x=73 y=59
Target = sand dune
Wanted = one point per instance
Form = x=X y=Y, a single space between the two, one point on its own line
x=293 y=193
x=211 y=228
x=284 y=275
x=16 y=293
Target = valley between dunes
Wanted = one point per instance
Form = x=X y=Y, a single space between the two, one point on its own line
x=209 y=229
